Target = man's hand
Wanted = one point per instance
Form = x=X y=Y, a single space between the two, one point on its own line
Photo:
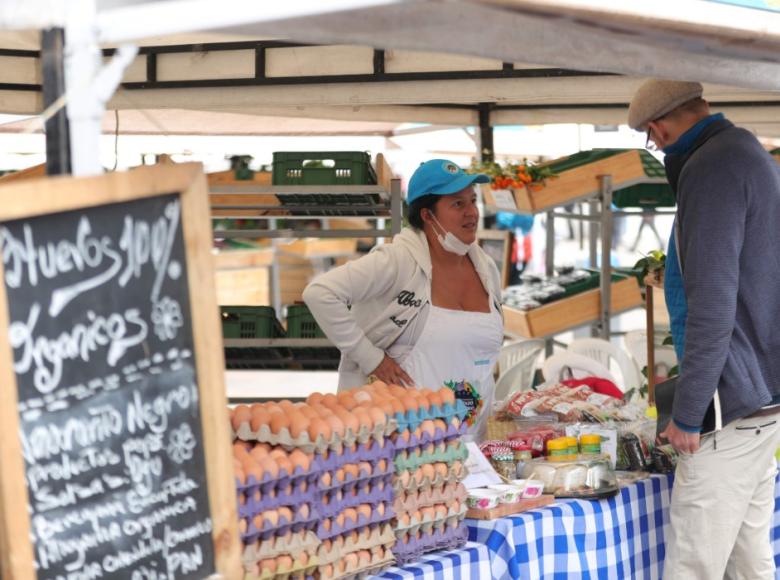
x=682 y=441
x=391 y=373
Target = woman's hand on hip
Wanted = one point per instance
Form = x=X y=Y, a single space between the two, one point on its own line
x=391 y=372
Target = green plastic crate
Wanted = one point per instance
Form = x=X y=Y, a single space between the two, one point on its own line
x=645 y=195
x=250 y=322
x=590 y=283
x=301 y=323
x=323 y=168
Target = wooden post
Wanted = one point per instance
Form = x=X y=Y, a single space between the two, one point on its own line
x=650 y=345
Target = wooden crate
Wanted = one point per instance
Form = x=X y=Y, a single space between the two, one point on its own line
x=321 y=247
x=576 y=183
x=570 y=312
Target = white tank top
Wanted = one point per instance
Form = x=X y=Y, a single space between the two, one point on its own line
x=457 y=349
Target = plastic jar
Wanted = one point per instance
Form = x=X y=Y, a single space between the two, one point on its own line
x=590 y=444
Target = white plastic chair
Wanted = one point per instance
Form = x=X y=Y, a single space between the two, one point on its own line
x=607 y=353
x=516 y=366
x=567 y=364
x=636 y=345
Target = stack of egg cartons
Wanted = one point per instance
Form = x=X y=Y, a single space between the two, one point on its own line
x=355 y=487
x=277 y=493
x=429 y=466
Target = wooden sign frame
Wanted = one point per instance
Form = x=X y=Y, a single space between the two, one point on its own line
x=59 y=194
x=499 y=235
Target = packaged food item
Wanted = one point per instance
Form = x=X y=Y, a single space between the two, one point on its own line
x=483 y=499
x=509 y=493
x=633 y=452
x=559 y=450
x=590 y=444
x=586 y=478
x=664 y=458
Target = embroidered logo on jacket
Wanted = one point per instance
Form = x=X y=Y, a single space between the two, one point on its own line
x=398 y=323
x=406 y=298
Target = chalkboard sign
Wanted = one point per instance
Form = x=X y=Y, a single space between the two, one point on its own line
x=110 y=401
x=496 y=245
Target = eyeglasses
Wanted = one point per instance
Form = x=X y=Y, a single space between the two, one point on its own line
x=650 y=145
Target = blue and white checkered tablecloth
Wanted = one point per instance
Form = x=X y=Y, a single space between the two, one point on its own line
x=620 y=537
x=616 y=538
x=471 y=562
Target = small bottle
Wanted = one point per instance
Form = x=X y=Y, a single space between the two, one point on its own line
x=590 y=444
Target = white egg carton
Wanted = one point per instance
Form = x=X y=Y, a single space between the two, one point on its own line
x=305 y=443
x=297 y=570
x=400 y=484
x=409 y=502
x=428 y=523
x=290 y=543
x=367 y=538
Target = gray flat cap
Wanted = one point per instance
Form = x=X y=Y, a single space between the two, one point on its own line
x=657 y=97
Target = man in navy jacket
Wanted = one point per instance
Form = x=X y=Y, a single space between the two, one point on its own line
x=722 y=286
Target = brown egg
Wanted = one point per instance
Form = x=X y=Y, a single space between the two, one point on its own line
x=350 y=514
x=243 y=526
x=435 y=399
x=378 y=416
x=381 y=466
x=340 y=475
x=303 y=558
x=304 y=511
x=419 y=475
x=285 y=464
x=427 y=427
x=441 y=469
x=319 y=428
x=285 y=513
x=380 y=509
x=327 y=571
x=336 y=425
x=349 y=420
x=405 y=477
x=447 y=395
x=351 y=471
x=258 y=453
x=410 y=403
x=340 y=520
x=241 y=448
x=326 y=479
x=397 y=406
x=365 y=467
x=330 y=400
x=346 y=400
x=279 y=421
x=440 y=424
x=417 y=516
x=363 y=418
x=423 y=398
x=404 y=519
x=300 y=459
x=284 y=563
x=397 y=391
x=254 y=470
x=455 y=505
x=364 y=558
x=286 y=405
x=440 y=511
x=417 y=433
x=308 y=412
x=327 y=524
x=241 y=415
x=351 y=561
x=314 y=399
x=259 y=418
x=273 y=408
x=362 y=396
x=278 y=452
x=269 y=466
x=428 y=471
x=364 y=510
x=386 y=406
x=240 y=475
x=455 y=422
x=271 y=516
x=267 y=565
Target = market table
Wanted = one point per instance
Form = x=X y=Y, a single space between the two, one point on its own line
x=620 y=537
x=471 y=562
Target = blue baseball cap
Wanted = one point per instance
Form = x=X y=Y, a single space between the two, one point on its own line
x=440 y=177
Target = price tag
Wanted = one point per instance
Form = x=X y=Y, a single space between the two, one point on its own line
x=504 y=199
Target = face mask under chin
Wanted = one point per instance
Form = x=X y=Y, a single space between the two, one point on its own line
x=450 y=241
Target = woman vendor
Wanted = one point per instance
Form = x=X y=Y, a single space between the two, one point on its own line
x=425 y=310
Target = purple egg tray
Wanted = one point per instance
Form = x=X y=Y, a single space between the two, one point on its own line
x=412 y=419
x=253 y=506
x=360 y=483
x=297 y=524
x=371 y=452
x=362 y=522
x=371 y=496
x=449 y=539
x=438 y=436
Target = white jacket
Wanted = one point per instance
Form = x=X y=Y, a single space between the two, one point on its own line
x=365 y=305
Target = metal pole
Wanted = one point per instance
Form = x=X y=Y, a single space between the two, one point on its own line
x=593 y=234
x=486 y=152
x=396 y=214
x=549 y=266
x=650 y=345
x=276 y=285
x=606 y=257
x=53 y=75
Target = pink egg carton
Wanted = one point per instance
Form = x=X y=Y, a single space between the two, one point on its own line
x=427 y=523
x=410 y=548
x=401 y=483
x=368 y=538
x=268 y=530
x=375 y=566
x=350 y=524
x=372 y=497
x=297 y=570
x=372 y=452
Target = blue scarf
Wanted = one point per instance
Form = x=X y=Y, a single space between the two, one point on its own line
x=687 y=139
